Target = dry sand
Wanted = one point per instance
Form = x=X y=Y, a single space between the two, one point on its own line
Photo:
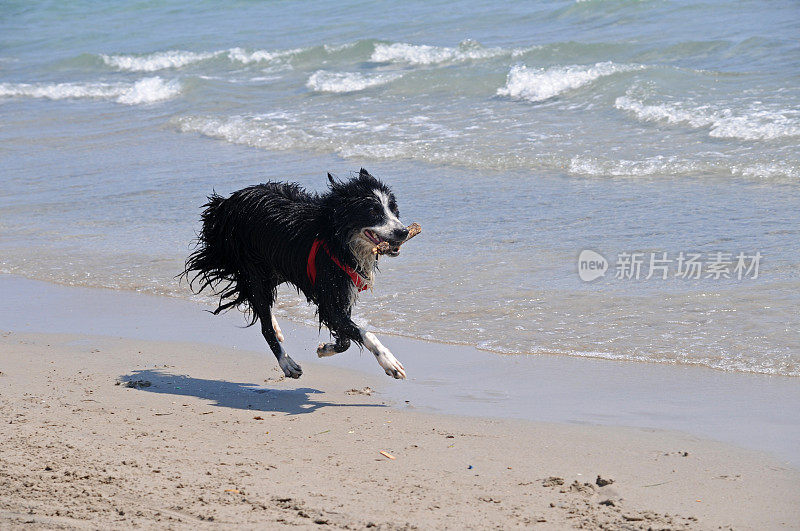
x=203 y=440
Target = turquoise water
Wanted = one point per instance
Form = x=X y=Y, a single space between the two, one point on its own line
x=517 y=136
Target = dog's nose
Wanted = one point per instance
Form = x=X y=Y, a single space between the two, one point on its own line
x=401 y=234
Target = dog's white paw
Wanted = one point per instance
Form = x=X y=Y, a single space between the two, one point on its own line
x=289 y=367
x=390 y=365
x=326 y=349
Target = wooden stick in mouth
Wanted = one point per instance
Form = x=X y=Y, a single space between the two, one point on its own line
x=383 y=247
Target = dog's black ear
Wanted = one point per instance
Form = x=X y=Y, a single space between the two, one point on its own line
x=364 y=173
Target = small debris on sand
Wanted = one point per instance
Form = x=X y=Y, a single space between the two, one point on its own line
x=602 y=482
x=552 y=481
x=583 y=488
x=258 y=418
x=364 y=391
x=137 y=384
x=632 y=517
x=387 y=455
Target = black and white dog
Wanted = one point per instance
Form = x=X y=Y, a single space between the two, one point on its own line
x=268 y=234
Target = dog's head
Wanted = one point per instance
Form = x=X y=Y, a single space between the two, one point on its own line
x=365 y=214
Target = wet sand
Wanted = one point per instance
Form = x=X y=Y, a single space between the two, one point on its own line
x=753 y=411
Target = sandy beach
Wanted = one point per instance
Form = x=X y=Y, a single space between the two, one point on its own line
x=120 y=432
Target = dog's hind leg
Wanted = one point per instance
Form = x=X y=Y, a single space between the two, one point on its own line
x=289 y=367
x=278 y=332
x=262 y=305
x=329 y=349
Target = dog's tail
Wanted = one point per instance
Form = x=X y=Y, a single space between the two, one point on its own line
x=208 y=266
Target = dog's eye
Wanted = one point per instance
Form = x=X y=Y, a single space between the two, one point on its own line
x=377 y=209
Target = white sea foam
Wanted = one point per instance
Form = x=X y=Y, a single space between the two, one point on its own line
x=333 y=48
x=156 y=61
x=359 y=139
x=180 y=58
x=422 y=54
x=755 y=123
x=650 y=166
x=256 y=56
x=424 y=139
x=146 y=90
x=324 y=81
x=782 y=170
x=270 y=134
x=283 y=131
x=415 y=54
x=538 y=84
x=671 y=165
x=149 y=90
x=59 y=91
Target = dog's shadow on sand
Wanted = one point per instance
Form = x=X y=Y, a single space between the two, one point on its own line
x=235 y=395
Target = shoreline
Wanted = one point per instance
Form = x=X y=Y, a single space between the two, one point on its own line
x=752 y=411
x=305 y=322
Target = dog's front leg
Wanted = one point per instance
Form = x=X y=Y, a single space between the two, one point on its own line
x=385 y=358
x=343 y=327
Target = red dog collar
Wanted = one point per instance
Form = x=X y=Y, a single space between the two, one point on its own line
x=311 y=267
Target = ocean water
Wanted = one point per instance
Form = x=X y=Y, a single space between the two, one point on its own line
x=518 y=136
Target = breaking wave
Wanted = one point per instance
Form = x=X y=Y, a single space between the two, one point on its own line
x=146 y=90
x=324 y=81
x=664 y=166
x=651 y=166
x=779 y=171
x=539 y=84
x=155 y=61
x=256 y=56
x=423 y=54
x=282 y=131
x=758 y=123
x=415 y=138
x=179 y=58
x=422 y=139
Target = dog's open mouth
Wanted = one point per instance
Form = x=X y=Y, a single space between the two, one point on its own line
x=394 y=250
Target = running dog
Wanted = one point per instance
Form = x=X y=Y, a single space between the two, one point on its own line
x=322 y=244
